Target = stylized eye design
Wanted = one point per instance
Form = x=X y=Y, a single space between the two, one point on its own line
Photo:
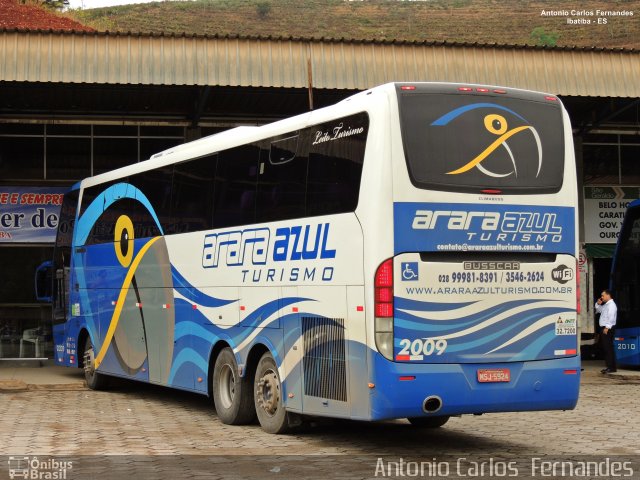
x=123 y=240
x=495 y=124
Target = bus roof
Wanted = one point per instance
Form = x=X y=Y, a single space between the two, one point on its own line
x=246 y=134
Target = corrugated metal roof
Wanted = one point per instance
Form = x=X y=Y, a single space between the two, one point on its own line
x=117 y=58
x=317 y=39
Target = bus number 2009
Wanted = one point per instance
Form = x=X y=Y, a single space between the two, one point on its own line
x=420 y=346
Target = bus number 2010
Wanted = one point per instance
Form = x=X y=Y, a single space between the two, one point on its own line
x=420 y=346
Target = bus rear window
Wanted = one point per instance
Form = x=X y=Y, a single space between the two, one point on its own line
x=466 y=142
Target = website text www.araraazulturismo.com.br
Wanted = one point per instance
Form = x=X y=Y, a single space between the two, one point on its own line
x=463 y=247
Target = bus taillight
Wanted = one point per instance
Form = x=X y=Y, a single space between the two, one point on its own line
x=384 y=308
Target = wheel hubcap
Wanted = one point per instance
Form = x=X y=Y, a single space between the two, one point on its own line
x=268 y=392
x=227 y=385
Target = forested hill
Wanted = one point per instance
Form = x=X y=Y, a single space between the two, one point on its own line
x=585 y=23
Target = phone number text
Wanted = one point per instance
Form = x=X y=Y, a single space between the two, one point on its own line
x=492 y=277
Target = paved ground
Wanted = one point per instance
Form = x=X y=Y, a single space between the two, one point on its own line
x=139 y=420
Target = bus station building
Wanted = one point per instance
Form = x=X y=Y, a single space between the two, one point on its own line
x=75 y=104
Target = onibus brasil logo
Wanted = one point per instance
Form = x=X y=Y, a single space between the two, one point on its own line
x=498 y=126
x=40 y=469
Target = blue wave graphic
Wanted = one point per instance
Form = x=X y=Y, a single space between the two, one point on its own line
x=535 y=348
x=254 y=318
x=202 y=334
x=453 y=114
x=201 y=340
x=195 y=295
x=479 y=343
x=503 y=326
x=499 y=333
x=461 y=322
x=188 y=328
x=406 y=304
x=187 y=356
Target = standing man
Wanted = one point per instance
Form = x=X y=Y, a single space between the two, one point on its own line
x=608 y=311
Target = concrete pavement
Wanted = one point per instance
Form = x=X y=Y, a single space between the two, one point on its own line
x=152 y=432
x=26 y=375
x=37 y=375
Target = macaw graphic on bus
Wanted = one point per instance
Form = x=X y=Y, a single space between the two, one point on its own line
x=121 y=316
x=503 y=123
x=144 y=317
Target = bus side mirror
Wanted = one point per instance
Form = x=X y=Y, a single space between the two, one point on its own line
x=44 y=282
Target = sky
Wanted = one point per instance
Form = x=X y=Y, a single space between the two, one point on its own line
x=102 y=3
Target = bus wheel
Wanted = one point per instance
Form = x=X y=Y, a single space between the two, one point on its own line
x=231 y=393
x=268 y=397
x=428 y=422
x=95 y=380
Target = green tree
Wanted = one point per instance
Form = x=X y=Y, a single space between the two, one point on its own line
x=543 y=38
x=263 y=9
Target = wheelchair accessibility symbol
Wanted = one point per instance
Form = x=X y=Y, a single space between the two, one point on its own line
x=409 y=271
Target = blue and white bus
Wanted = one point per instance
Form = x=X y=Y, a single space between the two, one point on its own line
x=409 y=252
x=625 y=285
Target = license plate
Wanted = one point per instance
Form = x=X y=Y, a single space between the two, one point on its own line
x=494 y=375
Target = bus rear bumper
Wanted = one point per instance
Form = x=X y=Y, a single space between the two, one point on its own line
x=454 y=389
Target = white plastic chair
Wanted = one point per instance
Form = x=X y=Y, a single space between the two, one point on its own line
x=30 y=335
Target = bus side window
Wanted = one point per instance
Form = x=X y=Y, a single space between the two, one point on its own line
x=235 y=186
x=283 y=150
x=192 y=194
x=335 y=168
x=102 y=229
x=156 y=186
x=282 y=180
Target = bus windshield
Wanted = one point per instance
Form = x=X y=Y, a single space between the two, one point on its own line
x=466 y=142
x=62 y=256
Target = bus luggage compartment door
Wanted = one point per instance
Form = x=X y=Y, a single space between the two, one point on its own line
x=477 y=308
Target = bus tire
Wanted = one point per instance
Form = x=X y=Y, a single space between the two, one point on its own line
x=428 y=422
x=267 y=395
x=95 y=380
x=231 y=392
